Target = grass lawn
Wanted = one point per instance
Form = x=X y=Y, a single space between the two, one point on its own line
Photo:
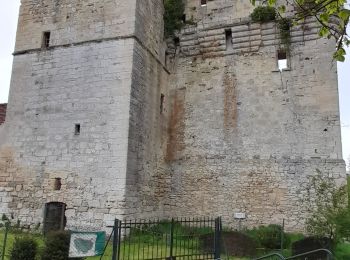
x=142 y=247
x=11 y=239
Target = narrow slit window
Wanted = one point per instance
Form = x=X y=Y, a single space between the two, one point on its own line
x=161 y=103
x=77 y=129
x=46 y=39
x=203 y=2
x=228 y=34
x=57 y=184
x=184 y=18
x=177 y=41
x=282 y=60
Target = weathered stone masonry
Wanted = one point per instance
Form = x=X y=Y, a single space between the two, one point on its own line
x=2 y=113
x=91 y=75
x=244 y=136
x=216 y=130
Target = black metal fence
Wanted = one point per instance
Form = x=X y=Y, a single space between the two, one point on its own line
x=174 y=239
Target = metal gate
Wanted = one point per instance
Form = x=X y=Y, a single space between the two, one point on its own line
x=173 y=239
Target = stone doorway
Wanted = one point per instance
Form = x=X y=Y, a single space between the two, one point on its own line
x=54 y=217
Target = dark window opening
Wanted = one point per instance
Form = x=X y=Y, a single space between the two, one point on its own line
x=58 y=184
x=184 y=18
x=161 y=103
x=54 y=217
x=46 y=39
x=77 y=129
x=177 y=41
x=228 y=34
x=203 y=2
x=282 y=60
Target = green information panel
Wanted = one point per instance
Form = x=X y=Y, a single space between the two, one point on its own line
x=84 y=244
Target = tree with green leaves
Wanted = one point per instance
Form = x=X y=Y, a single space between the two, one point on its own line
x=332 y=15
x=328 y=208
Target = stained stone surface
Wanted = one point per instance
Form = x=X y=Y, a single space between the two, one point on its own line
x=206 y=126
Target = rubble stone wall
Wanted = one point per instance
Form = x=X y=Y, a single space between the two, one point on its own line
x=73 y=21
x=245 y=136
x=51 y=92
x=212 y=128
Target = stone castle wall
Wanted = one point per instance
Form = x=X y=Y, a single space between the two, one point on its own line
x=51 y=92
x=244 y=136
x=74 y=21
x=213 y=128
x=100 y=73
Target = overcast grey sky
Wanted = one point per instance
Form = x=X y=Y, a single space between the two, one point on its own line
x=8 y=23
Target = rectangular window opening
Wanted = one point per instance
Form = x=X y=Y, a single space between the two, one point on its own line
x=77 y=129
x=57 y=184
x=203 y=2
x=228 y=34
x=177 y=41
x=282 y=60
x=46 y=39
x=161 y=103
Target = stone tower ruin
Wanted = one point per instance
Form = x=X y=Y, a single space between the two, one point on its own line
x=108 y=120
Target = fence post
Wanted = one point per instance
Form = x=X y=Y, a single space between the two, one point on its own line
x=7 y=225
x=171 y=257
x=217 y=241
x=282 y=236
x=116 y=241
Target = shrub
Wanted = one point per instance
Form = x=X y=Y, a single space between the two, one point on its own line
x=24 y=248
x=309 y=244
x=263 y=14
x=330 y=217
x=269 y=236
x=174 y=10
x=284 y=25
x=233 y=243
x=348 y=185
x=238 y=244
x=342 y=252
x=57 y=246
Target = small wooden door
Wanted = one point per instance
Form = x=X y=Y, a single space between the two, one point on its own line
x=54 y=217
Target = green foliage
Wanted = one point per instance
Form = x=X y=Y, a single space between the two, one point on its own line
x=57 y=246
x=284 y=25
x=332 y=15
x=24 y=248
x=342 y=251
x=5 y=218
x=292 y=237
x=348 y=184
x=263 y=14
x=174 y=10
x=329 y=213
x=308 y=244
x=269 y=236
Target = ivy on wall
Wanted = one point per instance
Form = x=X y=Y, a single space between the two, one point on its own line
x=284 y=25
x=264 y=14
x=173 y=16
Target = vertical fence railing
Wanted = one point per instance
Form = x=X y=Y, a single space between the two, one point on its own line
x=3 y=252
x=171 y=256
x=116 y=240
x=175 y=239
x=217 y=246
